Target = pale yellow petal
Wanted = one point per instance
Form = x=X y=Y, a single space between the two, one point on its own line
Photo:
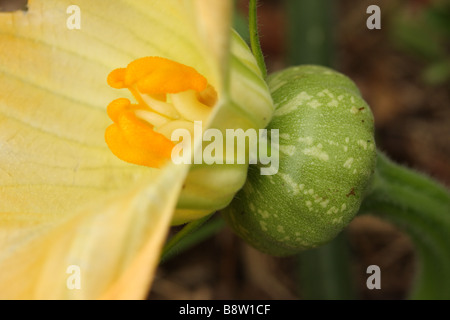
x=65 y=199
x=114 y=243
x=214 y=18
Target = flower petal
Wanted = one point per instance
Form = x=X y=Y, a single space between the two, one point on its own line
x=114 y=245
x=65 y=199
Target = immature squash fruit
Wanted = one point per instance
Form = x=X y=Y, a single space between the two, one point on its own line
x=326 y=159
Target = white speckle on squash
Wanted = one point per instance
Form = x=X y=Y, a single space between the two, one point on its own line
x=314 y=104
x=324 y=203
x=337 y=220
x=332 y=210
x=308 y=140
x=288 y=150
x=317 y=152
x=290 y=182
x=354 y=110
x=293 y=104
x=348 y=163
x=333 y=103
x=285 y=136
x=363 y=144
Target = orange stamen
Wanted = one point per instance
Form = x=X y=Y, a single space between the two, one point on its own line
x=133 y=140
x=151 y=80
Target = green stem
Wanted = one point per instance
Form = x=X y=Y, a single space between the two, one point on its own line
x=174 y=243
x=254 y=36
x=421 y=207
x=311 y=32
x=324 y=272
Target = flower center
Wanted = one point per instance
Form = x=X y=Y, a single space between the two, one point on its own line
x=169 y=96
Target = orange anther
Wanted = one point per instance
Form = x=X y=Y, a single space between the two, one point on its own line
x=133 y=140
x=150 y=80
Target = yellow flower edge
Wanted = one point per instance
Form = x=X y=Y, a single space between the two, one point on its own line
x=64 y=198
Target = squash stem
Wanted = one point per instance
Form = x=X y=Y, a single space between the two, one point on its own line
x=421 y=207
x=323 y=273
x=254 y=36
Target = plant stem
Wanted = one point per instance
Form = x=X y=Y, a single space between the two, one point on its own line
x=254 y=36
x=324 y=272
x=174 y=243
x=421 y=207
x=311 y=32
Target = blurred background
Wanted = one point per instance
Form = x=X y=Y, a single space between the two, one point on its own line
x=403 y=72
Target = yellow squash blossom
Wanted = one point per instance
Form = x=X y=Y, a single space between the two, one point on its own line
x=67 y=197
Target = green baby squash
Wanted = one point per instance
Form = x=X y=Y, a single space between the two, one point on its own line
x=326 y=156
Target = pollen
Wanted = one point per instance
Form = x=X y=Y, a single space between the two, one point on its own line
x=169 y=95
